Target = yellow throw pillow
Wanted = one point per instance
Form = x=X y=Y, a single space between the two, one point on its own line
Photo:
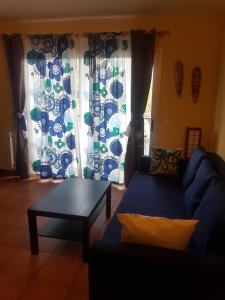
x=156 y=231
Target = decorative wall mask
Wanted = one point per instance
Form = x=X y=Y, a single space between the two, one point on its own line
x=196 y=83
x=179 y=76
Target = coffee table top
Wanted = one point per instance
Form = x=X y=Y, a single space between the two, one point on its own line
x=73 y=197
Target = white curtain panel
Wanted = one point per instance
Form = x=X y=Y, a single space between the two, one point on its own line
x=51 y=105
x=104 y=109
x=77 y=116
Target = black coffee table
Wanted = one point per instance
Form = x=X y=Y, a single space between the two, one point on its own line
x=73 y=207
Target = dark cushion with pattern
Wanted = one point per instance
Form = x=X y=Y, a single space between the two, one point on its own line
x=193 y=194
x=165 y=161
x=194 y=162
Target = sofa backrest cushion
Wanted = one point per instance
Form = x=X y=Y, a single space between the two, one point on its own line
x=209 y=236
x=194 y=192
x=194 y=162
x=218 y=164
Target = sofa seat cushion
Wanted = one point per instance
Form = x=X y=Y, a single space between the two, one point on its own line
x=194 y=162
x=158 y=195
x=194 y=193
x=209 y=236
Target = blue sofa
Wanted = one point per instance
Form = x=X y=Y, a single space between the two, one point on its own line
x=129 y=271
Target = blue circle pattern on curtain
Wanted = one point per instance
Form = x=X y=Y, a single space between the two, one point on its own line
x=53 y=106
x=107 y=105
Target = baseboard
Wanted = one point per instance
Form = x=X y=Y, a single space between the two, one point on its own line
x=7 y=172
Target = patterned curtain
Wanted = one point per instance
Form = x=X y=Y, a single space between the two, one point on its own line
x=51 y=105
x=104 y=105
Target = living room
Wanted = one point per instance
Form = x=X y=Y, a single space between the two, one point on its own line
x=193 y=35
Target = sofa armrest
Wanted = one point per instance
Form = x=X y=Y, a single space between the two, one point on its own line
x=128 y=271
x=144 y=163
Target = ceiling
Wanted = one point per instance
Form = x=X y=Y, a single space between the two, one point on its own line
x=41 y=9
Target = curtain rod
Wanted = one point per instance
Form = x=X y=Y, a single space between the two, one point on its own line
x=159 y=33
x=163 y=32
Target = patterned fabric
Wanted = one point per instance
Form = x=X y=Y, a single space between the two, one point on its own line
x=165 y=161
x=51 y=105
x=104 y=106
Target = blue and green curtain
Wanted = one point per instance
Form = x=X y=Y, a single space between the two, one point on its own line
x=104 y=105
x=78 y=104
x=51 y=105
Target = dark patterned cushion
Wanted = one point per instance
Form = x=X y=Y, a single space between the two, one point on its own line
x=165 y=161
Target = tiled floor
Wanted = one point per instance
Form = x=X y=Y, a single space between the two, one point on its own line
x=57 y=272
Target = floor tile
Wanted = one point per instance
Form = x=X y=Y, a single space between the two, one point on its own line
x=4 y=229
x=57 y=272
x=41 y=221
x=7 y=253
x=61 y=268
x=7 y=203
x=104 y=227
x=18 y=237
x=11 y=286
x=13 y=218
x=95 y=232
x=41 y=289
x=82 y=278
x=68 y=248
x=78 y=293
x=22 y=221
x=96 y=228
x=24 y=263
x=102 y=215
x=47 y=244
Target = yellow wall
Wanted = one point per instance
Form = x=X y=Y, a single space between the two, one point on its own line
x=6 y=110
x=196 y=40
x=219 y=125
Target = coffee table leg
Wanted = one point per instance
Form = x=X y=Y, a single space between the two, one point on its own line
x=85 y=229
x=33 y=232
x=108 y=203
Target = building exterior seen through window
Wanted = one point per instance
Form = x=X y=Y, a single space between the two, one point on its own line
x=147 y=122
